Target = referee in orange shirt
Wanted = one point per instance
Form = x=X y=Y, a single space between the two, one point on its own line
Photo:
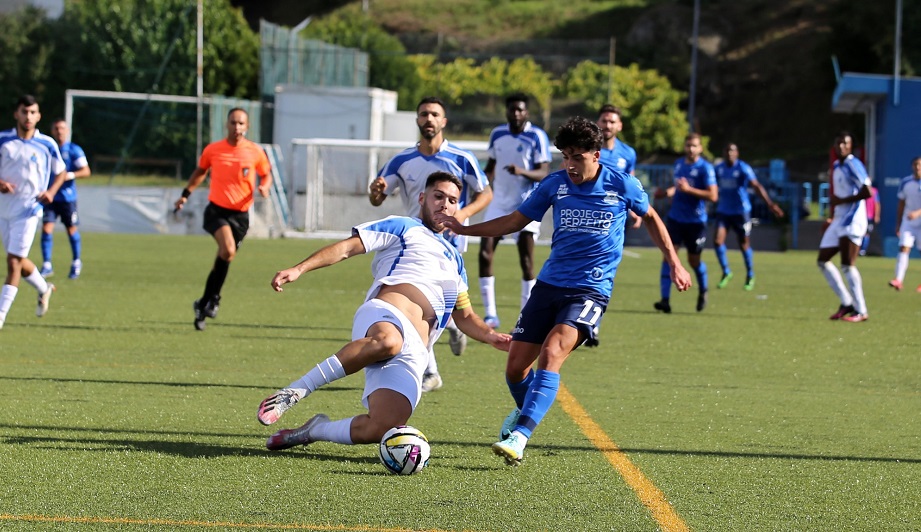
x=234 y=163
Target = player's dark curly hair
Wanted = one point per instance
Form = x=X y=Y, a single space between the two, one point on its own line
x=579 y=132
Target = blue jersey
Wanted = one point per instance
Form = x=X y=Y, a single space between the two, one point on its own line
x=621 y=158
x=733 y=182
x=685 y=207
x=74 y=159
x=588 y=226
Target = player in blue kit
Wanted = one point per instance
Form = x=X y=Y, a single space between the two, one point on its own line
x=590 y=202
x=615 y=152
x=65 y=202
x=734 y=212
x=695 y=185
x=519 y=157
x=407 y=172
x=850 y=188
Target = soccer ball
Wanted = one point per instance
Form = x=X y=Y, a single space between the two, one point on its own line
x=404 y=450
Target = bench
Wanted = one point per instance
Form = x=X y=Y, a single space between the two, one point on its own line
x=176 y=164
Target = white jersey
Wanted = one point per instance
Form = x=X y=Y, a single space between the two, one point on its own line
x=910 y=192
x=407 y=252
x=848 y=177
x=527 y=150
x=29 y=165
x=407 y=172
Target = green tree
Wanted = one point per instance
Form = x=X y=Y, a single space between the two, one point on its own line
x=389 y=69
x=652 y=116
x=25 y=58
x=130 y=46
x=463 y=78
x=121 y=45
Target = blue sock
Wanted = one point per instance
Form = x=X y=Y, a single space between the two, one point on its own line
x=75 y=244
x=665 y=280
x=749 y=264
x=722 y=258
x=47 y=240
x=538 y=401
x=520 y=389
x=701 y=272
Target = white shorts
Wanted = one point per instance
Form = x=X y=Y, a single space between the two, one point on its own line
x=836 y=231
x=18 y=234
x=403 y=372
x=909 y=235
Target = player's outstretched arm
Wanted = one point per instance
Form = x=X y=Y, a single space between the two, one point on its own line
x=473 y=326
x=680 y=277
x=503 y=225
x=326 y=256
x=773 y=207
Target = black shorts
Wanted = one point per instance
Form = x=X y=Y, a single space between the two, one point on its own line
x=217 y=217
x=693 y=236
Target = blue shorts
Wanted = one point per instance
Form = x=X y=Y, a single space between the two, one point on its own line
x=693 y=236
x=67 y=210
x=551 y=305
x=740 y=224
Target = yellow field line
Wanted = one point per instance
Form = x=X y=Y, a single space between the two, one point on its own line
x=651 y=497
x=177 y=523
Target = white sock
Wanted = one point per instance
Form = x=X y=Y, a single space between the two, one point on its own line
x=521 y=436
x=452 y=326
x=488 y=294
x=901 y=266
x=526 y=287
x=35 y=279
x=7 y=295
x=834 y=281
x=856 y=283
x=432 y=367
x=324 y=373
x=339 y=431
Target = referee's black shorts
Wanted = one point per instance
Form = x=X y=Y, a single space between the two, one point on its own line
x=217 y=217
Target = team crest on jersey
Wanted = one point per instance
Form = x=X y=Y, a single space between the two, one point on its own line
x=611 y=198
x=245 y=172
x=563 y=190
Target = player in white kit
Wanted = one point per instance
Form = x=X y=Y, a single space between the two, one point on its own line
x=850 y=189
x=908 y=221
x=406 y=174
x=419 y=284
x=31 y=172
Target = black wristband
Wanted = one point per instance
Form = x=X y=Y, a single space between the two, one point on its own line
x=186 y=193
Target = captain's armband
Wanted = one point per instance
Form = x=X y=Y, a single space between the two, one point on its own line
x=463 y=301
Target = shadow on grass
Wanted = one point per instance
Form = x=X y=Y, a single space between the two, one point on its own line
x=268 y=388
x=152 y=325
x=200 y=450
